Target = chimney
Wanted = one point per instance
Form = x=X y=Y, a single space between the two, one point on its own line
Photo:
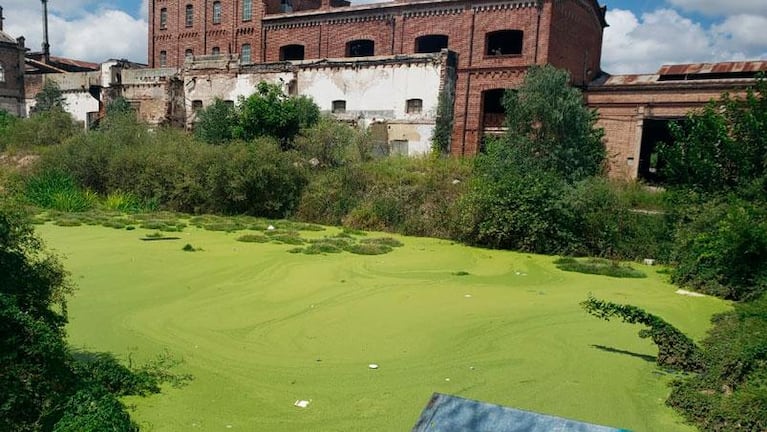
x=2 y=18
x=46 y=45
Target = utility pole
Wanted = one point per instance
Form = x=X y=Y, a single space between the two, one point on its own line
x=46 y=45
x=2 y=18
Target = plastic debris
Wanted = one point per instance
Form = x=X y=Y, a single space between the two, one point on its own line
x=373 y=366
x=301 y=403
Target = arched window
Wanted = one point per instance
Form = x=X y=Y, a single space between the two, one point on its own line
x=430 y=43
x=504 y=42
x=163 y=58
x=163 y=18
x=360 y=48
x=189 y=15
x=245 y=56
x=217 y=12
x=291 y=52
x=247 y=10
x=414 y=106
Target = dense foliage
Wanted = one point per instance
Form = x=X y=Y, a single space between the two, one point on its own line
x=730 y=394
x=43 y=387
x=675 y=350
x=49 y=98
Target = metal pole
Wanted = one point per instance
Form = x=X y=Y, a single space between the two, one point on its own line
x=46 y=45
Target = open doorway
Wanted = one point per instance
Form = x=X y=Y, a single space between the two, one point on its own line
x=654 y=131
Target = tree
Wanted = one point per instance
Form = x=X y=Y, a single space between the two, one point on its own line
x=550 y=128
x=269 y=112
x=720 y=148
x=215 y=123
x=49 y=98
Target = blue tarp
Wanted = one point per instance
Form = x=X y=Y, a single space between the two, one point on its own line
x=446 y=413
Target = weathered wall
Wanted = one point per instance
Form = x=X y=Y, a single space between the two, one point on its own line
x=78 y=89
x=156 y=95
x=12 y=86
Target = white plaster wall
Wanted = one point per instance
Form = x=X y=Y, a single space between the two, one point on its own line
x=418 y=136
x=379 y=91
x=79 y=104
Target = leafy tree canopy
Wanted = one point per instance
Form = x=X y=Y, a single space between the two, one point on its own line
x=49 y=98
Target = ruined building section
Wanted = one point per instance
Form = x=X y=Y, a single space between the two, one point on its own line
x=11 y=73
x=635 y=110
x=399 y=95
x=494 y=41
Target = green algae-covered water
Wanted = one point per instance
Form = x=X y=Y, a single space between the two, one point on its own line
x=260 y=328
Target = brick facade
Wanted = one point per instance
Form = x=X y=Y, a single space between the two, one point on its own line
x=12 y=75
x=565 y=33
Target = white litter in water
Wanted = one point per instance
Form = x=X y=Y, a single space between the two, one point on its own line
x=301 y=403
x=649 y=262
x=471 y=367
x=468 y=296
x=270 y=228
x=447 y=379
x=518 y=273
x=373 y=366
x=228 y=426
x=689 y=293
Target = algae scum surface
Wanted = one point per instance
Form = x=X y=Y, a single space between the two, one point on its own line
x=260 y=328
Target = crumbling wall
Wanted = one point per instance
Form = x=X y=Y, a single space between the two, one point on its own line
x=156 y=95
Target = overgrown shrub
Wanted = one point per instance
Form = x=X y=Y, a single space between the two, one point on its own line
x=330 y=144
x=215 y=123
x=598 y=266
x=675 y=350
x=730 y=394
x=49 y=128
x=55 y=190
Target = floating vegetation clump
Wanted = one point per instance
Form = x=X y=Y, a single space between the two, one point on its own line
x=253 y=238
x=599 y=266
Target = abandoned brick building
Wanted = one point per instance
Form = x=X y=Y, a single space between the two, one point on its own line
x=11 y=72
x=494 y=41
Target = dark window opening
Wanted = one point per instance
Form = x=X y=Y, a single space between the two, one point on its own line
x=504 y=42
x=189 y=15
x=360 y=48
x=196 y=105
x=430 y=43
x=163 y=58
x=188 y=55
x=217 y=12
x=493 y=113
x=654 y=131
x=291 y=52
x=163 y=18
x=414 y=106
x=215 y=51
x=339 y=107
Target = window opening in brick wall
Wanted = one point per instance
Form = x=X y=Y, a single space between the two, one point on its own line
x=247 y=10
x=504 y=42
x=188 y=54
x=2 y=73
x=414 y=106
x=360 y=48
x=339 y=107
x=217 y=12
x=291 y=52
x=215 y=51
x=245 y=54
x=286 y=6
x=163 y=58
x=163 y=18
x=493 y=113
x=189 y=15
x=430 y=43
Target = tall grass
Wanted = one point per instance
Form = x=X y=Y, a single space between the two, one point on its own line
x=55 y=190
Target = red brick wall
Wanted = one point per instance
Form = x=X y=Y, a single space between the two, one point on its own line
x=576 y=40
x=308 y=36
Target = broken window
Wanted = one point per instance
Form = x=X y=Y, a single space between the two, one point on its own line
x=189 y=15
x=217 y=12
x=247 y=10
x=360 y=48
x=291 y=52
x=188 y=54
x=504 y=42
x=339 y=107
x=245 y=56
x=2 y=73
x=414 y=106
x=196 y=105
x=493 y=112
x=163 y=18
x=430 y=43
x=215 y=51
x=163 y=58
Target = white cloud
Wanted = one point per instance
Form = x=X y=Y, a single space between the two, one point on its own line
x=92 y=36
x=642 y=44
x=723 y=8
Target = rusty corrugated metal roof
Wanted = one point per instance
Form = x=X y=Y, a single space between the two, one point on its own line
x=631 y=79
x=714 y=68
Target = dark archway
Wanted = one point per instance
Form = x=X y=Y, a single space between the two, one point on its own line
x=504 y=42
x=291 y=52
x=430 y=43
x=360 y=48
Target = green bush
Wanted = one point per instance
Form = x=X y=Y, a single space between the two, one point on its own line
x=46 y=129
x=215 y=123
x=731 y=391
x=94 y=409
x=55 y=190
x=597 y=266
x=330 y=143
x=722 y=249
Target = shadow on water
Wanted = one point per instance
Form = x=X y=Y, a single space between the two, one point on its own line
x=645 y=357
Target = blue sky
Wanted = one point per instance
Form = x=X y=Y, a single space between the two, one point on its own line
x=643 y=34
